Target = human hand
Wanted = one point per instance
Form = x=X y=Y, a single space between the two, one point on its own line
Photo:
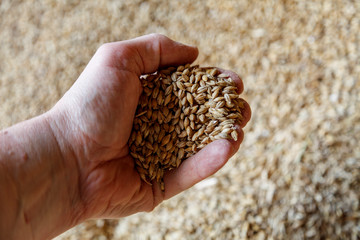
x=92 y=124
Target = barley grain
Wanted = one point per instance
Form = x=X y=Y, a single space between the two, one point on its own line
x=180 y=111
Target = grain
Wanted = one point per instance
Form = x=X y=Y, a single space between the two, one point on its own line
x=176 y=117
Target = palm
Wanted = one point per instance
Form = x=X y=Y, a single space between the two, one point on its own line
x=114 y=189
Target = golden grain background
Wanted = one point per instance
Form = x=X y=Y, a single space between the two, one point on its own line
x=297 y=173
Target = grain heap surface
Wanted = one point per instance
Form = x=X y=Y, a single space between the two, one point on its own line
x=180 y=111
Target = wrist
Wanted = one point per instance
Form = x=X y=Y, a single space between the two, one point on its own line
x=70 y=174
x=41 y=180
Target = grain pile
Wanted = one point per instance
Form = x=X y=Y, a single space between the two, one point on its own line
x=181 y=110
x=297 y=173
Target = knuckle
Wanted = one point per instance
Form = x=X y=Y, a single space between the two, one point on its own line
x=105 y=48
x=158 y=36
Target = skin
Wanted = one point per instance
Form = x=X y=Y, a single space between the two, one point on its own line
x=72 y=163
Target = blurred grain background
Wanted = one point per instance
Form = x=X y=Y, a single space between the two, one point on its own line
x=297 y=174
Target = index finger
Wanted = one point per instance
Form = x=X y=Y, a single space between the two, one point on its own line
x=146 y=54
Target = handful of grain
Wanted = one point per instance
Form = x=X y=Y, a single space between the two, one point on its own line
x=180 y=111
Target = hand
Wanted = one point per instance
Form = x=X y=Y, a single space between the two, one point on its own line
x=72 y=163
x=93 y=121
